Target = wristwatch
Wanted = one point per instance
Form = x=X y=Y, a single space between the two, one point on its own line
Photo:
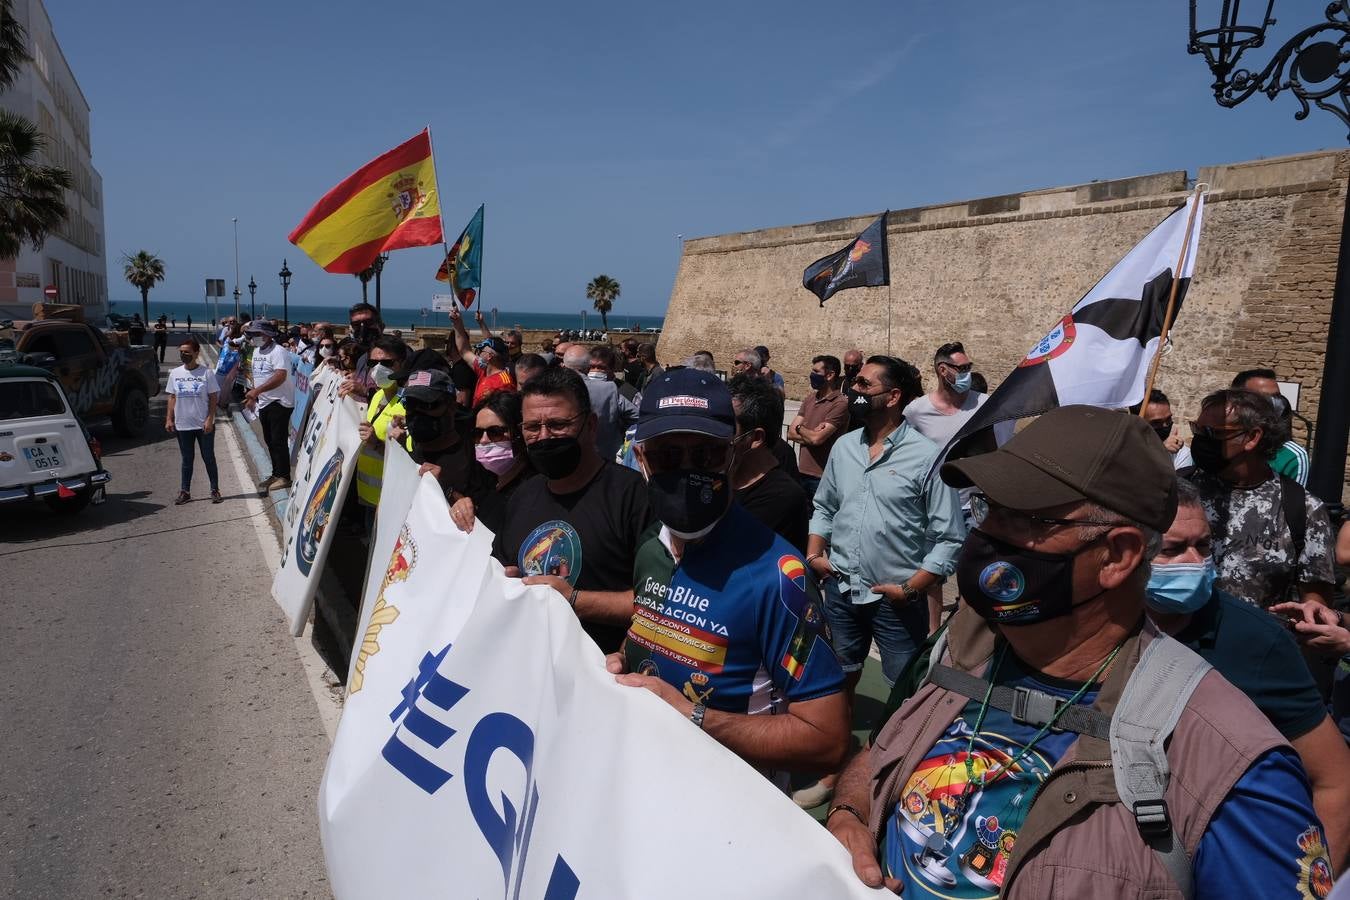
x=911 y=593
x=698 y=713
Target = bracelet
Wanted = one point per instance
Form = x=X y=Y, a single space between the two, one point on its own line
x=844 y=806
x=572 y=600
x=814 y=556
x=697 y=713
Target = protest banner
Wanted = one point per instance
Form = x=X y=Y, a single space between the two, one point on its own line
x=301 y=375
x=324 y=466
x=486 y=753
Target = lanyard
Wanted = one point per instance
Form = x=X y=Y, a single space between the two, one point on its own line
x=985 y=777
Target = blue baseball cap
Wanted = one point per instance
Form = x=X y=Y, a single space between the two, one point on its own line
x=686 y=401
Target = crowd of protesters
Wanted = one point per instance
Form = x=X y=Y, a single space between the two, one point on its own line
x=1116 y=659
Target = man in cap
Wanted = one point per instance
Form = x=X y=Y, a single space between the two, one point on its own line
x=430 y=422
x=728 y=627
x=273 y=395
x=1060 y=743
x=488 y=359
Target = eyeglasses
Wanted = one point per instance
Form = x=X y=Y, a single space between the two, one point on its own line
x=739 y=363
x=982 y=509
x=700 y=456
x=496 y=433
x=552 y=426
x=416 y=407
x=962 y=369
x=1224 y=433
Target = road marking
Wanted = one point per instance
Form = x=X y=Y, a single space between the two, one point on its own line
x=329 y=709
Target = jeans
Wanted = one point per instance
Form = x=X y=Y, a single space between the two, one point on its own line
x=899 y=631
x=810 y=484
x=275 y=420
x=207 y=442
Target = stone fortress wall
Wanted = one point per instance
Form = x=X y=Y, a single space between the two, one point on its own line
x=996 y=273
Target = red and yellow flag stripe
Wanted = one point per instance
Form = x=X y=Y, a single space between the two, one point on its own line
x=388 y=204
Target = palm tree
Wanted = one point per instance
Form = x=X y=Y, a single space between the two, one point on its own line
x=32 y=196
x=603 y=290
x=143 y=270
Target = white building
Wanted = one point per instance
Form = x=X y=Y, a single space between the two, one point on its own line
x=73 y=259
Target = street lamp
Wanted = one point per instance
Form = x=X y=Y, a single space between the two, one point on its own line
x=1314 y=66
x=252 y=293
x=285 y=275
x=378 y=266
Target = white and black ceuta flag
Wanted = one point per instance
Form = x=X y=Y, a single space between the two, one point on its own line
x=1099 y=353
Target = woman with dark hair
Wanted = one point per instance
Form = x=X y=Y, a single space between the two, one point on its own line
x=499 y=451
x=346 y=357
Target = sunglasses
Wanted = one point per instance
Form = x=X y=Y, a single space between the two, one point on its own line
x=495 y=433
x=1224 y=433
x=707 y=456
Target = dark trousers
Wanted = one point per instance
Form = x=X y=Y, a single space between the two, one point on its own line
x=275 y=420
x=160 y=345
x=199 y=438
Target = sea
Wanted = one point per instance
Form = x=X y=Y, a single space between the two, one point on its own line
x=498 y=320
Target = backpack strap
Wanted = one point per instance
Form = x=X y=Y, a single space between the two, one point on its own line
x=1294 y=502
x=1149 y=708
x=1025 y=705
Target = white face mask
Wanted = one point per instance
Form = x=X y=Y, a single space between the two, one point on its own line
x=326 y=352
x=258 y=341
x=382 y=375
x=598 y=376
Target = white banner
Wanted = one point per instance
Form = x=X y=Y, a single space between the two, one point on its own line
x=325 y=461
x=485 y=752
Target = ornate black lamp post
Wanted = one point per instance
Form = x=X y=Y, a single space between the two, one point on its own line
x=285 y=275
x=1314 y=66
x=252 y=294
x=378 y=266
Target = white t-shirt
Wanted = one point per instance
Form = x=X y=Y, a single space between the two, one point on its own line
x=191 y=389
x=940 y=427
x=278 y=358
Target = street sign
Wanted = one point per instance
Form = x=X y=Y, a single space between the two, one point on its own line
x=442 y=302
x=215 y=287
x=50 y=292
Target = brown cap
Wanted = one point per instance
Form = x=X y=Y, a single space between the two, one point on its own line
x=1077 y=453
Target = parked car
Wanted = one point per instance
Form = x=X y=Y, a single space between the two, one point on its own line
x=103 y=381
x=46 y=451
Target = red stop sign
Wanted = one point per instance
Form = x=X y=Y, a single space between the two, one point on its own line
x=50 y=292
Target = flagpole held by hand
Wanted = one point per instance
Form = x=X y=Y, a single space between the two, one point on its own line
x=1201 y=189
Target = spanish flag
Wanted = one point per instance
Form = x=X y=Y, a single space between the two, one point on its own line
x=388 y=204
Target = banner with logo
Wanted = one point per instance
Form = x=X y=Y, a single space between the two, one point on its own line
x=301 y=374
x=325 y=462
x=485 y=752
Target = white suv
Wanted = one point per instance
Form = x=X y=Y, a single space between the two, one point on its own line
x=45 y=450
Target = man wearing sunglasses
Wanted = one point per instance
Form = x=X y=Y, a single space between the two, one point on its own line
x=727 y=627
x=1257 y=514
x=577 y=526
x=435 y=433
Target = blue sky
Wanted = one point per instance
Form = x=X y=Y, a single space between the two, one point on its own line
x=597 y=132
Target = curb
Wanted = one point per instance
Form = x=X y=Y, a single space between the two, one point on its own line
x=258 y=456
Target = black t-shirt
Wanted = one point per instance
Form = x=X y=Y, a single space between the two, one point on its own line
x=491 y=502
x=778 y=501
x=590 y=536
x=460 y=472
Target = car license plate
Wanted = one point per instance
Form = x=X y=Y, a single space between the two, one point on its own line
x=43 y=457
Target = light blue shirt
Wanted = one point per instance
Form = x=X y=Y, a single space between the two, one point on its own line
x=883 y=518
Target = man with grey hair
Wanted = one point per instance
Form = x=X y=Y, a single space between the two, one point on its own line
x=1272 y=539
x=702 y=361
x=747 y=361
x=614 y=413
x=1058 y=737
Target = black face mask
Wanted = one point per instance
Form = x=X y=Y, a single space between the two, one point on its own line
x=424 y=428
x=1007 y=585
x=690 y=502
x=555 y=457
x=187 y=358
x=364 y=333
x=1208 y=453
x=850 y=373
x=1162 y=431
x=862 y=404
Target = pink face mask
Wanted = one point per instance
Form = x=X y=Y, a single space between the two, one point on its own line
x=496 y=457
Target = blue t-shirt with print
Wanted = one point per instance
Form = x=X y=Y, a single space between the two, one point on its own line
x=736 y=624
x=954 y=826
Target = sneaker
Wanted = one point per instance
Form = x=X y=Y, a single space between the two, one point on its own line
x=183 y=497
x=262 y=485
x=813 y=795
x=281 y=484
x=216 y=498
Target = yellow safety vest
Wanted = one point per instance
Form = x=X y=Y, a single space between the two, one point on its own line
x=370 y=460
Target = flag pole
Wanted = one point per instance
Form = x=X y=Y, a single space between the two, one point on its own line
x=888 y=317
x=1201 y=188
x=440 y=214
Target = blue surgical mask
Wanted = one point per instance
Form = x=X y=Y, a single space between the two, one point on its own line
x=1179 y=587
x=962 y=383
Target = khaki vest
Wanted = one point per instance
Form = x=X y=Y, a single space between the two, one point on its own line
x=1079 y=840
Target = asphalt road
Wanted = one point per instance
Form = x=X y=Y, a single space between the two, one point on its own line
x=158 y=730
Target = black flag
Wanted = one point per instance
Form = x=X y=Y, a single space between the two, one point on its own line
x=863 y=263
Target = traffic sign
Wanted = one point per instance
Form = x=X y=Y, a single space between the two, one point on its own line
x=50 y=292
